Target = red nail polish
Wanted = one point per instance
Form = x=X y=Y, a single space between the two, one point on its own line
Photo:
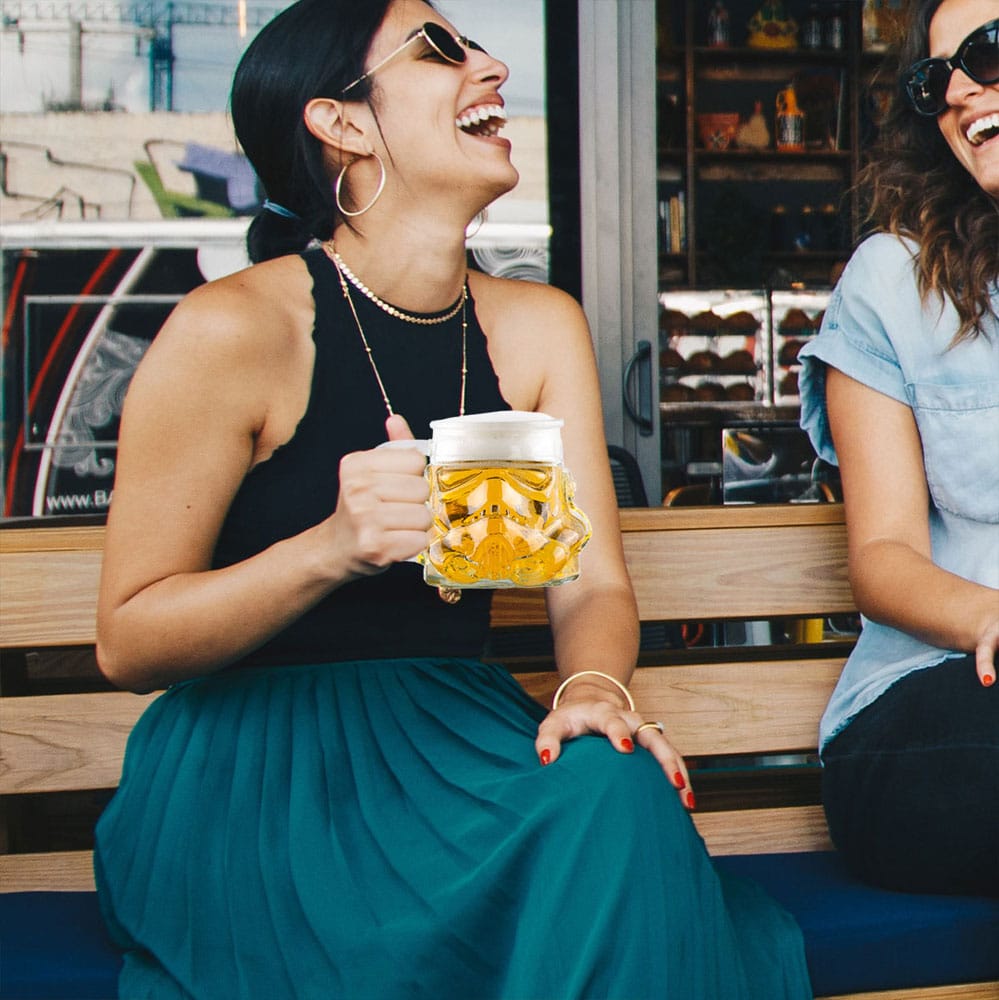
x=678 y=780
x=626 y=745
x=545 y=756
x=988 y=680
x=690 y=800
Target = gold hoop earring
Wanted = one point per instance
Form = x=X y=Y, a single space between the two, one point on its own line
x=339 y=184
x=481 y=219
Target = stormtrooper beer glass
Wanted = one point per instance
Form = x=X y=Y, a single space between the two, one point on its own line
x=502 y=503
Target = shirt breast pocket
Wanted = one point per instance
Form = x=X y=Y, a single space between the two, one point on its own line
x=959 y=427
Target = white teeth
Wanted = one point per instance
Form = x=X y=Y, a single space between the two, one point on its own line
x=480 y=115
x=983 y=129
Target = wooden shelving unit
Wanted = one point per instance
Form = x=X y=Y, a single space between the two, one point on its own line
x=693 y=78
x=721 y=229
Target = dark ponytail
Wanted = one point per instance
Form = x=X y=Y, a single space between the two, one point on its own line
x=271 y=235
x=313 y=48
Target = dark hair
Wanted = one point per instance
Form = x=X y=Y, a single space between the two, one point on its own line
x=919 y=189
x=313 y=48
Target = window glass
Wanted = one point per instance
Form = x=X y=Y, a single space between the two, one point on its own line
x=514 y=31
x=119 y=112
x=122 y=189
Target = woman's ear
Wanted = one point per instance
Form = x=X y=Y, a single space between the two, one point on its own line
x=333 y=124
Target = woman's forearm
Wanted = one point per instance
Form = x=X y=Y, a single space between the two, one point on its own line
x=597 y=631
x=189 y=624
x=897 y=586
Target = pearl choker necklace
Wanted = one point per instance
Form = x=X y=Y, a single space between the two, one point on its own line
x=330 y=250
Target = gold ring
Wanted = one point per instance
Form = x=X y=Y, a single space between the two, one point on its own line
x=649 y=725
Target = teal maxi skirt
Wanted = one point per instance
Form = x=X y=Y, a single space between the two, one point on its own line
x=382 y=830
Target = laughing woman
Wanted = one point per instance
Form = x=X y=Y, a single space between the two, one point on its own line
x=904 y=380
x=335 y=797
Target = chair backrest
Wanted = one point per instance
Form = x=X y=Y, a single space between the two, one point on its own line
x=627 y=475
x=694 y=495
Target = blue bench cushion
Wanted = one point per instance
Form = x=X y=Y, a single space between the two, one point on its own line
x=859 y=938
x=55 y=947
x=856 y=938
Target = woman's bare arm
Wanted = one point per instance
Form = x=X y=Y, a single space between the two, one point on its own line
x=196 y=419
x=893 y=576
x=545 y=361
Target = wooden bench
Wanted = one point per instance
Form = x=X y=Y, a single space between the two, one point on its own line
x=746 y=716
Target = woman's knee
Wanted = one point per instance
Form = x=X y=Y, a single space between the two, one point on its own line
x=918 y=820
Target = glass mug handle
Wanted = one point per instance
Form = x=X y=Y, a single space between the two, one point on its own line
x=422 y=445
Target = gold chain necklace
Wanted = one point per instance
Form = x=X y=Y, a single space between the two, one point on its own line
x=463 y=298
x=449 y=595
x=338 y=262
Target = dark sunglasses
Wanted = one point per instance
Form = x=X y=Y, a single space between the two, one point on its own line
x=447 y=46
x=926 y=81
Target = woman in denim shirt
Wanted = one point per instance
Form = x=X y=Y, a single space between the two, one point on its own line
x=904 y=381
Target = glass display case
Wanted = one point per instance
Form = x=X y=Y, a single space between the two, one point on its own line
x=728 y=359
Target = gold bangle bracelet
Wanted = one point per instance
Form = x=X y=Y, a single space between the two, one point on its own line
x=592 y=673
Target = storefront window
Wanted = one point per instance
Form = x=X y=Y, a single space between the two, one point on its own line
x=121 y=188
x=117 y=112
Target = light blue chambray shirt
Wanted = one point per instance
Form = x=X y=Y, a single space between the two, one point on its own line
x=877 y=331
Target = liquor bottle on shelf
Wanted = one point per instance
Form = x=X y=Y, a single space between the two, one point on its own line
x=719 y=35
x=811 y=29
x=834 y=30
x=790 y=122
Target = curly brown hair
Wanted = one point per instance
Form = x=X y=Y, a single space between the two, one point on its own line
x=918 y=189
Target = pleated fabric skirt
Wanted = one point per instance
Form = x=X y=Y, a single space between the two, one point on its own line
x=382 y=830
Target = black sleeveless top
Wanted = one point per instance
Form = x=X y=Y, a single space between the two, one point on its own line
x=392 y=614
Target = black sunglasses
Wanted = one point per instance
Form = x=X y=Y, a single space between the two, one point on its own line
x=926 y=81
x=447 y=46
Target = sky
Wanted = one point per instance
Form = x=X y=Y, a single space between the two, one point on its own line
x=35 y=67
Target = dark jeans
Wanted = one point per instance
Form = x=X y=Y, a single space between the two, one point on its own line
x=911 y=785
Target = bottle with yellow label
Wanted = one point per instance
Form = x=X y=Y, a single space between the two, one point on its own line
x=790 y=122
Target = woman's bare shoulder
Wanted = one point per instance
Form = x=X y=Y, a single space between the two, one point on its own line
x=537 y=336
x=244 y=313
x=515 y=305
x=230 y=344
x=519 y=291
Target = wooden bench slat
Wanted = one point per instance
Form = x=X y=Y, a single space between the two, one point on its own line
x=782 y=830
x=76 y=741
x=43 y=538
x=59 y=871
x=750 y=831
x=809 y=577
x=65 y=742
x=49 y=598
x=728 y=708
x=731 y=516
x=963 y=991
x=53 y=572
x=726 y=573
